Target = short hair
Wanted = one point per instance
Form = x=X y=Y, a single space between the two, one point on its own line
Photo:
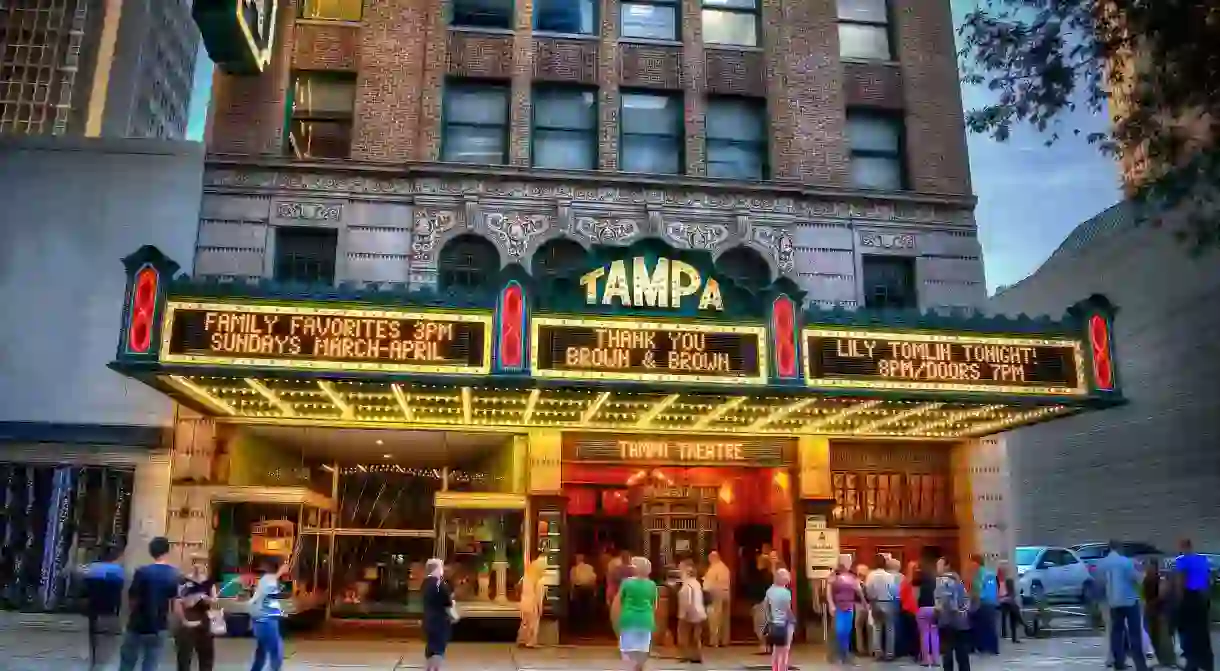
x=643 y=567
x=111 y=552
x=893 y=565
x=433 y=564
x=880 y=561
x=1185 y=544
x=783 y=576
x=1115 y=545
x=158 y=547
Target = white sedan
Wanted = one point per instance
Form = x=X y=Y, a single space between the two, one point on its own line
x=1051 y=572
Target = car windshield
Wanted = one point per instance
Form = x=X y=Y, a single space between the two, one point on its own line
x=1090 y=551
x=1027 y=556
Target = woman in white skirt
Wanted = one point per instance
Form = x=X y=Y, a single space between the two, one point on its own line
x=634 y=613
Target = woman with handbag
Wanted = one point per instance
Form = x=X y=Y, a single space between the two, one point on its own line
x=843 y=592
x=196 y=608
x=781 y=620
x=440 y=614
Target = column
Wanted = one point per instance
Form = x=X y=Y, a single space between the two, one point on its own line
x=980 y=500
x=815 y=516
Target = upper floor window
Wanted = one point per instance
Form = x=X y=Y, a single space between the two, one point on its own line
x=320 y=124
x=565 y=128
x=468 y=262
x=482 y=13
x=889 y=282
x=654 y=19
x=557 y=257
x=876 y=150
x=730 y=22
x=305 y=255
x=746 y=266
x=566 y=16
x=864 y=30
x=652 y=133
x=332 y=10
x=476 y=123
x=736 y=138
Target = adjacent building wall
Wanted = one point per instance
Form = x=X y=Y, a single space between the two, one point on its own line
x=1149 y=470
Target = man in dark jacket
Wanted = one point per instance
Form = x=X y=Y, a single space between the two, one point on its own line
x=103 y=581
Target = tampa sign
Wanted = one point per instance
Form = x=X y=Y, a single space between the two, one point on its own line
x=668 y=284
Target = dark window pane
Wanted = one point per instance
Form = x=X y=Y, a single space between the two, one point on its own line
x=320 y=139
x=474 y=144
x=323 y=96
x=889 y=282
x=557 y=257
x=565 y=16
x=725 y=27
x=473 y=104
x=476 y=124
x=655 y=154
x=658 y=22
x=741 y=120
x=857 y=40
x=735 y=160
x=877 y=172
x=873 y=133
x=746 y=266
x=305 y=255
x=469 y=262
x=483 y=13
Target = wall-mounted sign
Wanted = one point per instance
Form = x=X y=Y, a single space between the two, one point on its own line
x=326 y=339
x=670 y=283
x=922 y=361
x=676 y=450
x=238 y=34
x=638 y=350
x=887 y=240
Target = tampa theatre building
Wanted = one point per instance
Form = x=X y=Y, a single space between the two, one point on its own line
x=638 y=400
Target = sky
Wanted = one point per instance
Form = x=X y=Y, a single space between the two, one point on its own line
x=1030 y=196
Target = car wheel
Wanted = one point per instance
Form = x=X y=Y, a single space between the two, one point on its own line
x=1086 y=592
x=1037 y=593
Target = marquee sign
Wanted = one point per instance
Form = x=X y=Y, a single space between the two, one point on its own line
x=309 y=338
x=935 y=362
x=694 y=450
x=609 y=349
x=670 y=283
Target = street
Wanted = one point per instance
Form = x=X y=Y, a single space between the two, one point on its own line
x=32 y=650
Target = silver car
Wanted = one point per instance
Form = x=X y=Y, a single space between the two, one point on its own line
x=1051 y=572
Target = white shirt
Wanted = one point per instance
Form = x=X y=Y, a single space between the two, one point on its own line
x=690 y=601
x=717 y=578
x=880 y=586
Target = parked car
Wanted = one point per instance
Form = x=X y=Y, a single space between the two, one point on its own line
x=1052 y=572
x=1143 y=553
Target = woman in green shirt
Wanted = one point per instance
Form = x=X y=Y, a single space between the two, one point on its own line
x=634 y=614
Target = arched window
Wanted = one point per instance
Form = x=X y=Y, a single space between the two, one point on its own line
x=468 y=262
x=746 y=266
x=557 y=256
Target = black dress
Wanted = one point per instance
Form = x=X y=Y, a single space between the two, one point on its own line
x=438 y=628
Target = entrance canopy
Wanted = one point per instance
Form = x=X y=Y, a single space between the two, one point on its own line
x=645 y=338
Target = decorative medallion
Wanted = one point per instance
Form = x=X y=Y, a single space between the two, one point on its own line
x=697 y=236
x=516 y=230
x=429 y=225
x=606 y=231
x=887 y=240
x=313 y=211
x=779 y=241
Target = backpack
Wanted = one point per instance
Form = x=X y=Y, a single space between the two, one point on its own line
x=952 y=606
x=989 y=593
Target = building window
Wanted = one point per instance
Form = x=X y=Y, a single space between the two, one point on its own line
x=476 y=123
x=889 y=282
x=730 y=22
x=332 y=10
x=305 y=255
x=557 y=257
x=876 y=151
x=655 y=20
x=736 y=138
x=565 y=128
x=565 y=16
x=321 y=121
x=746 y=267
x=864 y=30
x=483 y=13
x=652 y=133
x=468 y=262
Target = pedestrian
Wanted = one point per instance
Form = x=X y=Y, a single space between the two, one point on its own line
x=926 y=615
x=843 y=594
x=197 y=596
x=863 y=621
x=952 y=617
x=533 y=597
x=908 y=617
x=153 y=588
x=266 y=614
x=692 y=613
x=781 y=620
x=439 y=614
x=762 y=580
x=103 y=581
x=717 y=582
x=1010 y=603
x=634 y=613
x=1122 y=585
x=882 y=593
x=1193 y=587
x=1156 y=610
x=984 y=602
x=584 y=592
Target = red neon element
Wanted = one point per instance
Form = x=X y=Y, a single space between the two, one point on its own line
x=512 y=319
x=783 y=326
x=1099 y=339
x=143 y=309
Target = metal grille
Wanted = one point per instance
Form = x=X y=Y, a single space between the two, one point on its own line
x=40 y=44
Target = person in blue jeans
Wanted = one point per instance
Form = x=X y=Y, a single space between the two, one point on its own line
x=984 y=605
x=153 y=589
x=1122 y=584
x=265 y=616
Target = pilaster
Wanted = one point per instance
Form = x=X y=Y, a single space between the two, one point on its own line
x=545 y=457
x=980 y=500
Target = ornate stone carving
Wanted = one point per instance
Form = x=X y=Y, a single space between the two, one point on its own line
x=429 y=225
x=516 y=230
x=606 y=231
x=312 y=211
x=779 y=241
x=879 y=240
x=697 y=236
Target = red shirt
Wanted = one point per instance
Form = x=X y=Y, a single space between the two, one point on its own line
x=906 y=596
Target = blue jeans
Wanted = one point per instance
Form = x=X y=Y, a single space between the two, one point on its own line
x=269 y=644
x=1126 y=632
x=136 y=646
x=983 y=629
x=844 y=626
